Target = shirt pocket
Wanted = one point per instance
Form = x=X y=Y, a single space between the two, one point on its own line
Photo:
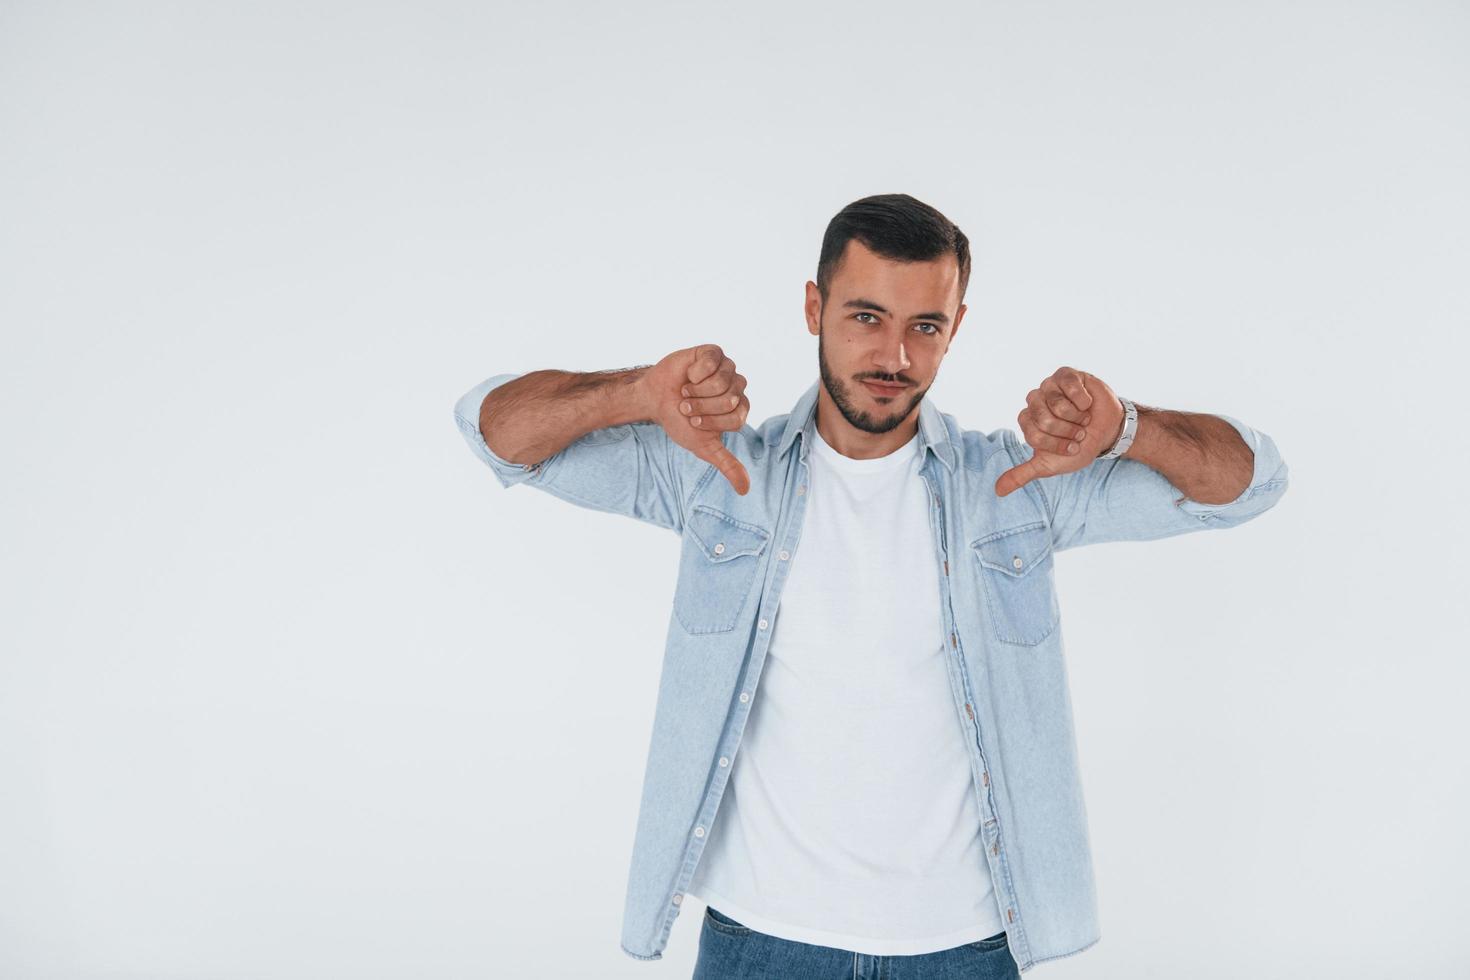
x=716 y=569
x=1016 y=577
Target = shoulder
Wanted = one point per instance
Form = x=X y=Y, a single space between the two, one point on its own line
x=982 y=456
x=755 y=443
x=980 y=450
x=756 y=446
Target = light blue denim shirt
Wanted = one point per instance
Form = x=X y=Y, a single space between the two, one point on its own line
x=1000 y=614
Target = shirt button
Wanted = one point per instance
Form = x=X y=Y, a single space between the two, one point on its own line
x=801 y=490
x=784 y=555
x=762 y=624
x=744 y=697
x=698 y=831
x=1016 y=561
x=724 y=760
x=678 y=899
x=720 y=548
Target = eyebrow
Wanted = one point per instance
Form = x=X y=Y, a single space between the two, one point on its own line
x=867 y=304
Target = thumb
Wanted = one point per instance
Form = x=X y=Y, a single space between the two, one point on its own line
x=728 y=465
x=1018 y=476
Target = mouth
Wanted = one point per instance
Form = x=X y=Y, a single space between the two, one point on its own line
x=881 y=390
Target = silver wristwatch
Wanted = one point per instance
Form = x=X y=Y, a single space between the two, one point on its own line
x=1130 y=426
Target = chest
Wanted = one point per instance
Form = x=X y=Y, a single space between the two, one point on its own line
x=830 y=546
x=864 y=575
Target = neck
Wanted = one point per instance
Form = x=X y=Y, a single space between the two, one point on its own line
x=855 y=443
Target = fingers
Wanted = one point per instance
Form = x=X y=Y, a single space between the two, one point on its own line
x=1051 y=422
x=731 y=417
x=1043 y=441
x=1069 y=382
x=716 y=384
x=718 y=403
x=705 y=372
x=1062 y=402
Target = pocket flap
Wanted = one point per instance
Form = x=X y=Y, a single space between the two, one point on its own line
x=1014 y=550
x=721 y=537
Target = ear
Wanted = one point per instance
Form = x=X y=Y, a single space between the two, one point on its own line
x=813 y=308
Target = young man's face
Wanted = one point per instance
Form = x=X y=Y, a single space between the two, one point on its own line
x=884 y=329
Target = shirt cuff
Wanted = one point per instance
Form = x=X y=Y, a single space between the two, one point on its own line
x=467 y=417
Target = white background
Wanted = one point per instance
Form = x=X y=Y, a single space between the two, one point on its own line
x=291 y=687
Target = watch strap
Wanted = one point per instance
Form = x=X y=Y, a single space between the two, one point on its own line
x=1130 y=427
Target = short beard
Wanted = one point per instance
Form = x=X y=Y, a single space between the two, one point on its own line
x=858 y=418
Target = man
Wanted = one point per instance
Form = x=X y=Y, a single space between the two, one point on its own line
x=863 y=747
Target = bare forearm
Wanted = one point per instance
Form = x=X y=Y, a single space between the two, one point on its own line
x=542 y=412
x=1201 y=454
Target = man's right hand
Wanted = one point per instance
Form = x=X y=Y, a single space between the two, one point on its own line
x=696 y=394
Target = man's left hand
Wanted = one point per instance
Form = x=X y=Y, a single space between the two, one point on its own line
x=1070 y=419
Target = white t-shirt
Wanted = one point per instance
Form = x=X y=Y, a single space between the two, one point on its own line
x=850 y=818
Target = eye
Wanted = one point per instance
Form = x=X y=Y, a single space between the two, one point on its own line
x=875 y=319
x=934 y=325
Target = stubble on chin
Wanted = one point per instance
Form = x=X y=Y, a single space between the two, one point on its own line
x=860 y=419
x=842 y=396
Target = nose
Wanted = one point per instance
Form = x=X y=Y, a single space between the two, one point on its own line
x=891 y=358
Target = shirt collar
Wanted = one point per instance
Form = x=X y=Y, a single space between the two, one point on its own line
x=933 y=434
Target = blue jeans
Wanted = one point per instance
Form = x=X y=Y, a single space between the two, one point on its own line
x=731 y=951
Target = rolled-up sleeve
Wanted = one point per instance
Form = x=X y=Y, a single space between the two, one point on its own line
x=1268 y=483
x=467 y=417
x=1123 y=499
x=631 y=469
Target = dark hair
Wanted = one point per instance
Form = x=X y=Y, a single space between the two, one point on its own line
x=895 y=226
